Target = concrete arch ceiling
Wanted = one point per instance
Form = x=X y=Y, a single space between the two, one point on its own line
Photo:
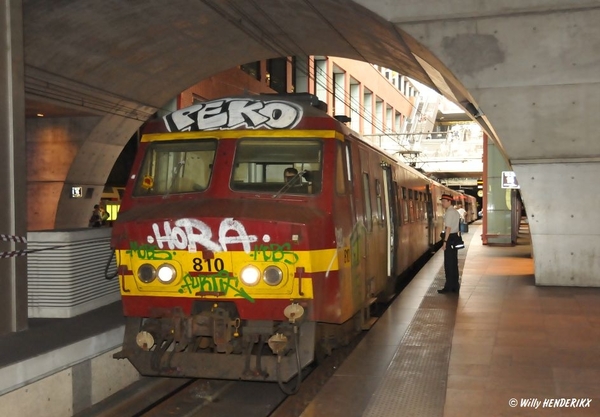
x=147 y=52
x=120 y=61
x=117 y=62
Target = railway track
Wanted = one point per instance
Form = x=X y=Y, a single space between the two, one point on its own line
x=180 y=397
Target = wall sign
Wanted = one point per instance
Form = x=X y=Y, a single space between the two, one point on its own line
x=509 y=180
x=76 y=192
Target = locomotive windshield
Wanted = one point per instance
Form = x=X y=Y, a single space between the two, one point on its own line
x=278 y=165
x=176 y=167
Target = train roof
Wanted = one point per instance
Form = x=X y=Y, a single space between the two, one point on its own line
x=259 y=112
x=264 y=111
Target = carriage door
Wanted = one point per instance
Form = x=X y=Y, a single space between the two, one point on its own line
x=391 y=218
x=431 y=238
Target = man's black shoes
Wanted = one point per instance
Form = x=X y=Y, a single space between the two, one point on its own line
x=447 y=291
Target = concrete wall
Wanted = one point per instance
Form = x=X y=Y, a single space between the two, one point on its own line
x=72 y=389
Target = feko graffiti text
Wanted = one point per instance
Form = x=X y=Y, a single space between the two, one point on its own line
x=191 y=233
x=234 y=113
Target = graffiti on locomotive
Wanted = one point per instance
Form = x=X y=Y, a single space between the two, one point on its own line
x=235 y=113
x=189 y=233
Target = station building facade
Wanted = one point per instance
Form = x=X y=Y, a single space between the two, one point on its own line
x=376 y=100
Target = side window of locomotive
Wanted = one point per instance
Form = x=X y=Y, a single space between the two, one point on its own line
x=340 y=174
x=348 y=164
x=367 y=194
x=261 y=165
x=176 y=167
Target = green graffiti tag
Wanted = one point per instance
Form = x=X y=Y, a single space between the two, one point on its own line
x=274 y=253
x=220 y=282
x=148 y=252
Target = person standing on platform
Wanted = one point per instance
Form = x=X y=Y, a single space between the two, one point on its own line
x=96 y=218
x=451 y=225
x=463 y=227
x=462 y=212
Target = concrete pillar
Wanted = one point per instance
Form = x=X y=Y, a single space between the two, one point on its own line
x=13 y=172
x=53 y=144
x=562 y=209
x=533 y=73
x=498 y=212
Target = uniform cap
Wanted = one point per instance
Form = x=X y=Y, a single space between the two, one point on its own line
x=446 y=197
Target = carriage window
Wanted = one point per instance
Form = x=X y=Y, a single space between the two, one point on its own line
x=262 y=165
x=405 y=217
x=367 y=193
x=176 y=167
x=380 y=213
x=398 y=203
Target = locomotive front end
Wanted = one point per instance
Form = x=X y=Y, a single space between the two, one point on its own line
x=218 y=253
x=236 y=306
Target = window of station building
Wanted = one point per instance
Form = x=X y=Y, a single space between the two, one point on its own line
x=367 y=194
x=277 y=70
x=176 y=167
x=260 y=165
x=252 y=69
x=321 y=79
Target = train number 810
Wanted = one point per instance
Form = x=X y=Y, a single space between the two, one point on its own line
x=208 y=265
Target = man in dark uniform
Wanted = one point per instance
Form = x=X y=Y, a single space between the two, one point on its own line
x=451 y=225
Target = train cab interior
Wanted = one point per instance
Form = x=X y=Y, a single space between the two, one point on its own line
x=257 y=170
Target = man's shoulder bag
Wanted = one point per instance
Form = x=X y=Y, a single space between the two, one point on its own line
x=456 y=242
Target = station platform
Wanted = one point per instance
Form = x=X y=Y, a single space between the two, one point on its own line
x=58 y=367
x=502 y=347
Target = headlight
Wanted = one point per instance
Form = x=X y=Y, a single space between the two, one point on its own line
x=273 y=275
x=146 y=273
x=166 y=273
x=250 y=275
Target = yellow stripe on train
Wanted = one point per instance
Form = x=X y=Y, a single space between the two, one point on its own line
x=218 y=276
x=236 y=134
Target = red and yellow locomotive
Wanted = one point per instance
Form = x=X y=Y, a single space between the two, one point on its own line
x=257 y=231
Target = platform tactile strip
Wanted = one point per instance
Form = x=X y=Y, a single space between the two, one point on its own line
x=415 y=382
